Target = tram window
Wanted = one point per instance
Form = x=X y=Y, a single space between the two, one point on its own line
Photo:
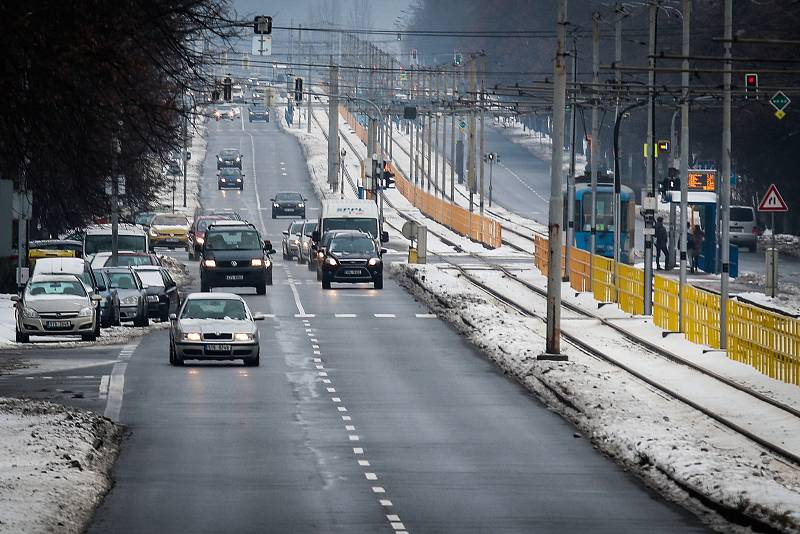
x=605 y=212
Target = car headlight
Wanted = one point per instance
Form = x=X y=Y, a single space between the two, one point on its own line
x=267 y=263
x=133 y=299
x=200 y=240
x=256 y=262
x=301 y=205
x=296 y=242
x=152 y=298
x=210 y=263
x=238 y=179
x=373 y=262
x=276 y=205
x=243 y=336
x=88 y=311
x=238 y=158
x=30 y=313
x=222 y=179
x=320 y=255
x=330 y=260
x=191 y=336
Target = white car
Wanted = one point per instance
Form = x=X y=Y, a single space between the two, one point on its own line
x=56 y=305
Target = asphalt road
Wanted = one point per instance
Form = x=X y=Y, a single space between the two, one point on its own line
x=367 y=414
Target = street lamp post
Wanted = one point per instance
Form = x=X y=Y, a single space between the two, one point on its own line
x=491 y=158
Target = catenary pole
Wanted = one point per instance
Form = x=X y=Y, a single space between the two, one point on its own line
x=649 y=212
x=725 y=186
x=620 y=14
x=594 y=151
x=570 y=207
x=556 y=208
x=685 y=49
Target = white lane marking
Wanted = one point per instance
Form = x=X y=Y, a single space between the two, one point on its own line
x=116 y=388
x=314 y=346
x=317 y=352
x=326 y=381
x=317 y=360
x=385 y=502
x=358 y=450
x=426 y=316
x=371 y=476
x=331 y=390
x=345 y=315
x=336 y=399
x=393 y=517
x=520 y=180
x=398 y=527
x=363 y=463
x=323 y=373
x=47 y=378
x=354 y=437
x=350 y=428
x=378 y=489
x=314 y=340
x=320 y=367
x=104 y=386
x=385 y=316
x=269 y=315
x=346 y=418
x=342 y=409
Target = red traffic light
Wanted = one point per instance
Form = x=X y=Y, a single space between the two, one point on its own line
x=751 y=80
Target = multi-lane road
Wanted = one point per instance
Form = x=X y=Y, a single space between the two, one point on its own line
x=367 y=413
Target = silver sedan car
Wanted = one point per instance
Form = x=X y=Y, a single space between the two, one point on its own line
x=56 y=305
x=214 y=326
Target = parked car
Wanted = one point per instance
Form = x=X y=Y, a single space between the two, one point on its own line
x=230 y=178
x=77 y=266
x=163 y=296
x=288 y=203
x=744 y=227
x=214 y=326
x=352 y=258
x=169 y=230
x=234 y=255
x=109 y=306
x=132 y=294
x=229 y=157
x=290 y=244
x=125 y=258
x=306 y=254
x=56 y=305
x=144 y=219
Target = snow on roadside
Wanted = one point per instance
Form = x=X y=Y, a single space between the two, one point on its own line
x=55 y=465
x=670 y=445
x=539 y=144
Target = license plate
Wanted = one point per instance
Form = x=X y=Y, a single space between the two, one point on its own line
x=736 y=228
x=59 y=324
x=234 y=277
x=288 y=209
x=219 y=348
x=352 y=272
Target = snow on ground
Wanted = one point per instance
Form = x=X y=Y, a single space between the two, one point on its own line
x=787 y=244
x=55 y=465
x=670 y=445
x=540 y=144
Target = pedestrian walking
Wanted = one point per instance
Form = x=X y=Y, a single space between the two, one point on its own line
x=661 y=243
x=697 y=246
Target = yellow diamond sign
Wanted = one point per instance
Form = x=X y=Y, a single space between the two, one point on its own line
x=780 y=114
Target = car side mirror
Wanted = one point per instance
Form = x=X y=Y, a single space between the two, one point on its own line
x=272 y=200
x=383 y=251
x=286 y=232
x=15 y=298
x=267 y=244
x=315 y=235
x=144 y=287
x=384 y=237
x=259 y=317
x=96 y=298
x=173 y=317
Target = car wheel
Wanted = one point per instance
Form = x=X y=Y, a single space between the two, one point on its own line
x=285 y=256
x=165 y=316
x=117 y=319
x=261 y=290
x=173 y=356
x=141 y=321
x=379 y=282
x=273 y=215
x=89 y=337
x=269 y=277
x=252 y=362
x=326 y=284
x=22 y=338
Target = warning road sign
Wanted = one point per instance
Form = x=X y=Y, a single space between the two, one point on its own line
x=772 y=201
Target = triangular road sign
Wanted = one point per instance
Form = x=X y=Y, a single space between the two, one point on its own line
x=772 y=201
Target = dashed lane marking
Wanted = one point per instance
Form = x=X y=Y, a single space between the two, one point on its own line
x=385 y=316
x=371 y=476
x=345 y=315
x=103 y=393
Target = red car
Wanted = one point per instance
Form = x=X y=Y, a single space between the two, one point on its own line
x=197 y=233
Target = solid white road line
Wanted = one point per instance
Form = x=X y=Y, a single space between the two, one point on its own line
x=104 y=386
x=116 y=387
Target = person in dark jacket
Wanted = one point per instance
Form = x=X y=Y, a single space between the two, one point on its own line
x=697 y=242
x=661 y=243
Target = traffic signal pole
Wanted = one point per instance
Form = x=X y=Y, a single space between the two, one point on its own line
x=725 y=186
x=684 y=173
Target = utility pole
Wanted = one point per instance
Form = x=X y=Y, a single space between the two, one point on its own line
x=185 y=151
x=333 y=127
x=553 y=345
x=483 y=143
x=438 y=77
x=453 y=139
x=116 y=148
x=429 y=124
x=620 y=14
x=649 y=202
x=595 y=137
x=687 y=16
x=443 y=99
x=725 y=186
x=472 y=125
x=571 y=178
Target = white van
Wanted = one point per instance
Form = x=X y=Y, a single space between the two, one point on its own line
x=129 y=237
x=743 y=227
x=340 y=214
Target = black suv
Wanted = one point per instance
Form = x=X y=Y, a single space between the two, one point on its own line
x=235 y=256
x=352 y=258
x=229 y=157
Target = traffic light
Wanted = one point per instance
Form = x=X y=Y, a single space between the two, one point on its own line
x=388 y=176
x=226 y=88
x=298 y=89
x=751 y=86
x=215 y=95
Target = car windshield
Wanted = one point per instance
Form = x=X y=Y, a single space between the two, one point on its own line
x=170 y=220
x=101 y=281
x=309 y=228
x=126 y=260
x=296 y=228
x=352 y=246
x=214 y=309
x=65 y=288
x=202 y=225
x=230 y=171
x=291 y=197
x=229 y=153
x=144 y=218
x=151 y=278
x=741 y=214
x=123 y=280
x=102 y=243
x=369 y=226
x=233 y=240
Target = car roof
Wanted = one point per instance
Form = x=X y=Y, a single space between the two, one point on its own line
x=40 y=242
x=230 y=223
x=288 y=193
x=123 y=253
x=228 y=150
x=221 y=296
x=54 y=277
x=146 y=267
x=117 y=269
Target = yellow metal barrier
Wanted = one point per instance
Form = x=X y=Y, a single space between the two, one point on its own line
x=603 y=279
x=630 y=287
x=666 y=301
x=579 y=275
x=768 y=341
x=701 y=310
x=540 y=254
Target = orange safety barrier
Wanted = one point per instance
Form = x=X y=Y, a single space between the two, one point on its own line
x=701 y=310
x=630 y=287
x=768 y=341
x=540 y=253
x=579 y=270
x=460 y=220
x=666 y=302
x=603 y=278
